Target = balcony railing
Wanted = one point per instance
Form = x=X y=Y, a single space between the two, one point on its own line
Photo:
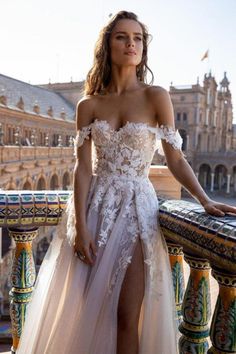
x=9 y=154
x=205 y=242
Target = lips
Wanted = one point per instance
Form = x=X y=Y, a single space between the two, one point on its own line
x=130 y=53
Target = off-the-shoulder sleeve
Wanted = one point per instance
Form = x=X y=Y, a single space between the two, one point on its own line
x=81 y=135
x=171 y=136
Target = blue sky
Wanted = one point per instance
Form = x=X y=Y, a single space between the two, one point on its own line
x=42 y=40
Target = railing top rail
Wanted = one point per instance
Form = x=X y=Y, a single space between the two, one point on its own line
x=183 y=222
x=209 y=236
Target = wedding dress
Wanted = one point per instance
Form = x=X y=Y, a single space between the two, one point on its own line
x=74 y=306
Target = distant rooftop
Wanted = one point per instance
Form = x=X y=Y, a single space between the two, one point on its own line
x=13 y=89
x=60 y=86
x=182 y=87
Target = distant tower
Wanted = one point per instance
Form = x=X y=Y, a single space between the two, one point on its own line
x=226 y=113
x=224 y=84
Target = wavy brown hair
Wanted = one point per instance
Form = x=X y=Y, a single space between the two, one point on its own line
x=99 y=75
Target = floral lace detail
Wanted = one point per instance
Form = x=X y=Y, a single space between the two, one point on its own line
x=147 y=140
x=123 y=262
x=123 y=196
x=155 y=273
x=171 y=136
x=126 y=152
x=81 y=135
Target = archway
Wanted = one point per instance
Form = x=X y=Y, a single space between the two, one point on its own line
x=220 y=178
x=66 y=181
x=205 y=176
x=54 y=182
x=41 y=185
x=27 y=186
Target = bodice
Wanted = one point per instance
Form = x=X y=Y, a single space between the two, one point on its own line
x=128 y=151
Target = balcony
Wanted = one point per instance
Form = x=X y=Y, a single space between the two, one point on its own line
x=206 y=243
x=12 y=153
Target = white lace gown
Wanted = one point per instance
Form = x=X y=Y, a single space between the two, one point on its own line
x=74 y=306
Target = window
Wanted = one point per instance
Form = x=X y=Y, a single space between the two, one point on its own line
x=178 y=117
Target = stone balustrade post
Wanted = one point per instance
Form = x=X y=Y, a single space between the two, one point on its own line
x=223 y=326
x=196 y=308
x=22 y=279
x=228 y=184
x=176 y=262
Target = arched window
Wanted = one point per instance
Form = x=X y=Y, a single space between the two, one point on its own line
x=66 y=181
x=41 y=185
x=54 y=182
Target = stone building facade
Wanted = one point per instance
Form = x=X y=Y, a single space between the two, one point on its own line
x=204 y=117
x=37 y=124
x=37 y=127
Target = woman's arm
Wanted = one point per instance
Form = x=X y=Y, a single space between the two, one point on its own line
x=176 y=162
x=81 y=181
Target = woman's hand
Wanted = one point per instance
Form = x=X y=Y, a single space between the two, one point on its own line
x=84 y=247
x=218 y=209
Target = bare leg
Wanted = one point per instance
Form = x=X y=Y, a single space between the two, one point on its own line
x=130 y=301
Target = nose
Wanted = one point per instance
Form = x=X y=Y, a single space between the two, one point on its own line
x=130 y=43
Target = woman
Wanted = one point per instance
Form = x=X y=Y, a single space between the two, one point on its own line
x=109 y=290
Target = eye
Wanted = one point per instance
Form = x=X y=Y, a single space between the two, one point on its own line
x=138 y=38
x=120 y=37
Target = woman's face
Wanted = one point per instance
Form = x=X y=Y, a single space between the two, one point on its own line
x=126 y=43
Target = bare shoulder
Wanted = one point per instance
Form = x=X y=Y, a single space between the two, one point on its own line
x=160 y=100
x=85 y=111
x=157 y=94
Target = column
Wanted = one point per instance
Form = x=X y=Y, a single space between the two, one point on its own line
x=196 y=308
x=222 y=332
x=22 y=279
x=228 y=184
x=212 y=182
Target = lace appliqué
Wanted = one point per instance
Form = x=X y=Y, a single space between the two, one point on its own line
x=171 y=136
x=81 y=135
x=123 y=196
x=155 y=273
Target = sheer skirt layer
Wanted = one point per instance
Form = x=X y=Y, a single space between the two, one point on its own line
x=74 y=306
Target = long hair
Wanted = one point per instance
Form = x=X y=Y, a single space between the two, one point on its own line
x=99 y=75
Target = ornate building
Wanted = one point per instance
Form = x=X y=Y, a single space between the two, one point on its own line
x=204 y=117
x=37 y=127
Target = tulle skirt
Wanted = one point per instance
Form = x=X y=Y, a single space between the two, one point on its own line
x=74 y=306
